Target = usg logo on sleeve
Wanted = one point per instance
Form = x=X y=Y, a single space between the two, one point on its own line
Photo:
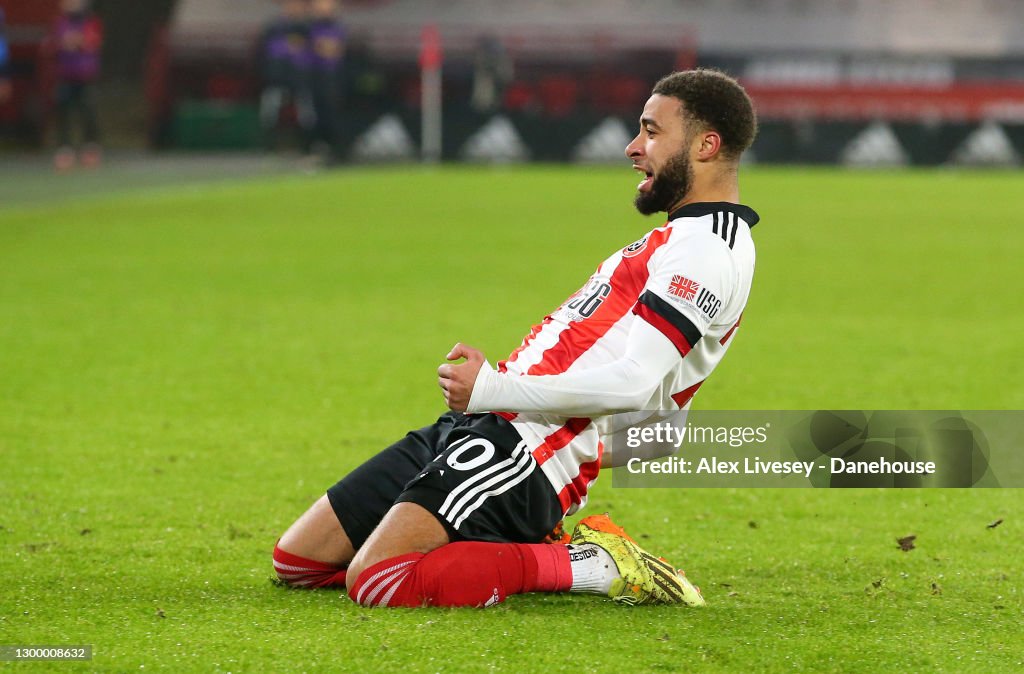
x=691 y=292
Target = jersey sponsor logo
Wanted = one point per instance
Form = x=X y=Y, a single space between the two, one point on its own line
x=683 y=287
x=635 y=248
x=588 y=299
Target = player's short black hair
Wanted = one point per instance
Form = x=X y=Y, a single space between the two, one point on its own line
x=716 y=101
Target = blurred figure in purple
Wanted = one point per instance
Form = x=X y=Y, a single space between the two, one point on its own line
x=327 y=52
x=285 y=67
x=76 y=40
x=5 y=82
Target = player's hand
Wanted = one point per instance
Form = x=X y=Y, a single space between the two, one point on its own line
x=457 y=380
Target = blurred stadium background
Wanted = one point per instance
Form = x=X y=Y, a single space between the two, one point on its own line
x=858 y=82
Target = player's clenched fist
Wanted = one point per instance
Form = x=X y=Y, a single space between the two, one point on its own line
x=457 y=380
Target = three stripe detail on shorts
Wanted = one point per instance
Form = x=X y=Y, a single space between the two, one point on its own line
x=496 y=479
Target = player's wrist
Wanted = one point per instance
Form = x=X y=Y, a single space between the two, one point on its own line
x=479 y=396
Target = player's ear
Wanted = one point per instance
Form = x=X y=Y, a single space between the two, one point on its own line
x=709 y=144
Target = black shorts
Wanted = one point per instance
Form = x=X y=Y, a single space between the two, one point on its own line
x=473 y=472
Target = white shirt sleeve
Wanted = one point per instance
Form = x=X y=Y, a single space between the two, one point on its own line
x=689 y=283
x=692 y=280
x=623 y=385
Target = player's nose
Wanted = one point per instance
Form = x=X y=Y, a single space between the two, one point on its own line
x=635 y=148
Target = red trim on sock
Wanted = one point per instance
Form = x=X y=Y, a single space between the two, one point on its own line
x=380 y=573
x=299 y=571
x=295 y=560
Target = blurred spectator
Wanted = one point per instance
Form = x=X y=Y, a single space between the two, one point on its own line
x=492 y=71
x=5 y=82
x=76 y=40
x=285 y=67
x=327 y=51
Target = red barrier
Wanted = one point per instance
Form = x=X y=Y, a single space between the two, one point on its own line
x=958 y=102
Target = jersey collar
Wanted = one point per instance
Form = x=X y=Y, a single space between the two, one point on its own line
x=697 y=209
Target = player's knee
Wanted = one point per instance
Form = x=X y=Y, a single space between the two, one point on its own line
x=351 y=578
x=373 y=586
x=364 y=575
x=355 y=569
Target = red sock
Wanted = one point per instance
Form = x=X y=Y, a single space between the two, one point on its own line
x=464 y=574
x=301 y=572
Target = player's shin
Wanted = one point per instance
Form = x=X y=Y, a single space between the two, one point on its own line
x=464 y=574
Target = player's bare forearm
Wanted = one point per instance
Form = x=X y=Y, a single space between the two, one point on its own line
x=457 y=380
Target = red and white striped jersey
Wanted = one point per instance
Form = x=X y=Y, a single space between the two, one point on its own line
x=690 y=279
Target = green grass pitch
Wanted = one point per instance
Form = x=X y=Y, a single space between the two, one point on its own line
x=184 y=370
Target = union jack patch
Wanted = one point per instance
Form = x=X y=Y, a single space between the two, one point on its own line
x=683 y=287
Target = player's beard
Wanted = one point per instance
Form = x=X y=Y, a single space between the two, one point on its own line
x=669 y=187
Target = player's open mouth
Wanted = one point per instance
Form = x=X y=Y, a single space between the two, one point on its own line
x=645 y=184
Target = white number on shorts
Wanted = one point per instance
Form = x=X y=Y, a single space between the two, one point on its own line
x=485 y=455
